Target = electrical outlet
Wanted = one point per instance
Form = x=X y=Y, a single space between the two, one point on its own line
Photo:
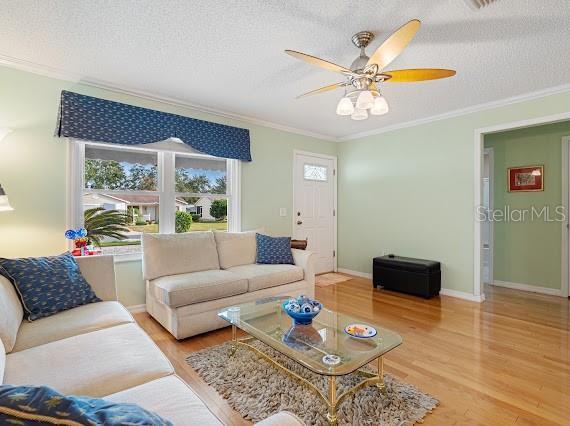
x=282 y=212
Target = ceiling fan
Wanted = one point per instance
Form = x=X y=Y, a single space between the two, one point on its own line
x=366 y=73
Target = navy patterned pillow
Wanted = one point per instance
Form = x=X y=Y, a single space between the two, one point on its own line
x=48 y=285
x=35 y=405
x=274 y=250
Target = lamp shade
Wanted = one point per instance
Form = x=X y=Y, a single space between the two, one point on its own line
x=359 y=114
x=365 y=100
x=344 y=107
x=380 y=106
x=4 y=203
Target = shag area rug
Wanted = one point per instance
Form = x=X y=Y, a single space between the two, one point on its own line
x=257 y=389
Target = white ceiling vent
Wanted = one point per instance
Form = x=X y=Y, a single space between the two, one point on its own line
x=478 y=4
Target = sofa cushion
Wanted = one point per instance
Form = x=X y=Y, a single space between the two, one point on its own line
x=235 y=248
x=171 y=399
x=265 y=276
x=33 y=405
x=170 y=254
x=2 y=362
x=283 y=418
x=196 y=287
x=48 y=285
x=12 y=313
x=92 y=364
x=73 y=322
x=274 y=250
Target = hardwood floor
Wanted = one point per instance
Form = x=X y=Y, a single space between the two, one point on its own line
x=502 y=362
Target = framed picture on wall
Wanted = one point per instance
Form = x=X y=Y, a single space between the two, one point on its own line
x=526 y=178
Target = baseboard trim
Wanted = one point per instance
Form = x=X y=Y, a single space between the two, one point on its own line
x=135 y=309
x=443 y=292
x=462 y=295
x=526 y=287
x=355 y=273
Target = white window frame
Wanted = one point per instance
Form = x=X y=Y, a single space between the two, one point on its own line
x=166 y=188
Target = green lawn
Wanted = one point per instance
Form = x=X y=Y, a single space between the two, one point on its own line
x=196 y=226
x=120 y=243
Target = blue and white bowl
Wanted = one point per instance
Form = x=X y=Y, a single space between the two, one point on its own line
x=302 y=309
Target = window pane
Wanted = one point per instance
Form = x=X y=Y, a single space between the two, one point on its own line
x=112 y=168
x=206 y=213
x=314 y=172
x=200 y=176
x=137 y=214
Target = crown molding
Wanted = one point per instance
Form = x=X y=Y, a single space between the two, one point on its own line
x=59 y=74
x=463 y=111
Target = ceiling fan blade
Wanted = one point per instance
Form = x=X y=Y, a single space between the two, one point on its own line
x=322 y=89
x=313 y=60
x=422 y=74
x=395 y=44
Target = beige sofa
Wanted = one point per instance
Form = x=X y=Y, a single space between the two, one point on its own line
x=190 y=277
x=97 y=350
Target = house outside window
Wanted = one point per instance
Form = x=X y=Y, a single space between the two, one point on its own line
x=155 y=188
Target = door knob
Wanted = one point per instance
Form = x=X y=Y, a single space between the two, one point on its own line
x=299 y=222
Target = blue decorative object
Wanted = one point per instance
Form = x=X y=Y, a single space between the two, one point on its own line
x=274 y=250
x=34 y=405
x=48 y=285
x=100 y=120
x=73 y=234
x=302 y=337
x=302 y=309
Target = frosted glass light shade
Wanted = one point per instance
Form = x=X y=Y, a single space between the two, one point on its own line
x=344 y=107
x=365 y=100
x=359 y=114
x=380 y=106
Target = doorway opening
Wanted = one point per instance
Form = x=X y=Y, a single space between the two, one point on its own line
x=522 y=182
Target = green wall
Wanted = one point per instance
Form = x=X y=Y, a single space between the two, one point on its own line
x=410 y=191
x=33 y=170
x=528 y=252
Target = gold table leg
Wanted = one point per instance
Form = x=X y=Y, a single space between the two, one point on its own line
x=381 y=385
x=332 y=402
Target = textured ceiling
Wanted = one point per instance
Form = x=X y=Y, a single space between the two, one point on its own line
x=228 y=55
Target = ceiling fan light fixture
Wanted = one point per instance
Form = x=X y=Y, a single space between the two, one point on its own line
x=365 y=100
x=380 y=106
x=359 y=114
x=344 y=106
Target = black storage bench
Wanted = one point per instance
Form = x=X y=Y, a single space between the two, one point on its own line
x=412 y=276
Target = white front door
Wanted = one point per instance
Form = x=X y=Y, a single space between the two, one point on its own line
x=313 y=209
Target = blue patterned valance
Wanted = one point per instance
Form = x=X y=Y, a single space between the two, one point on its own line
x=99 y=120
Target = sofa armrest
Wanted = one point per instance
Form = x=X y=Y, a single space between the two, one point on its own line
x=99 y=271
x=283 y=418
x=305 y=259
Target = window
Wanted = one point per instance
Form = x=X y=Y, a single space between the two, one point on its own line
x=165 y=187
x=315 y=172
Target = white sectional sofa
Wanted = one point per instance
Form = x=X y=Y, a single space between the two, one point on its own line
x=190 y=277
x=97 y=350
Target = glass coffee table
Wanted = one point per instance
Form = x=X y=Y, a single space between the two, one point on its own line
x=323 y=346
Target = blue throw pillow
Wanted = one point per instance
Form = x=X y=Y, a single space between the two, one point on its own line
x=48 y=285
x=34 y=405
x=274 y=250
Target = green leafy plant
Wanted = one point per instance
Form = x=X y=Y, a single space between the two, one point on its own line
x=219 y=209
x=183 y=222
x=101 y=223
